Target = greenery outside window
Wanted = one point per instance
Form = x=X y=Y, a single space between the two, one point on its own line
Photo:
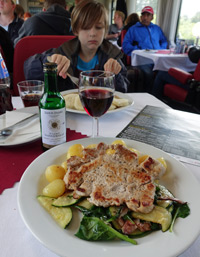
x=189 y=20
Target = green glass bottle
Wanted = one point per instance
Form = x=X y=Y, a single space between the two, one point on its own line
x=52 y=110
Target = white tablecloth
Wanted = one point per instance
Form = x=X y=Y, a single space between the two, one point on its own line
x=162 y=61
x=15 y=238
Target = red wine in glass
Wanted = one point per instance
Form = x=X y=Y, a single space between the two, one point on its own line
x=96 y=90
x=96 y=101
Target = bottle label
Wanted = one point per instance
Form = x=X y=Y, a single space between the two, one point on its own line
x=53 y=126
x=3 y=70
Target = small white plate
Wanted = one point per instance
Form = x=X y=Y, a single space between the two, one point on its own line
x=119 y=94
x=178 y=179
x=150 y=51
x=20 y=137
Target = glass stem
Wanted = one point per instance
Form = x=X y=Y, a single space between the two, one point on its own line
x=95 y=127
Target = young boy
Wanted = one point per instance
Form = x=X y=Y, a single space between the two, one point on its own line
x=87 y=51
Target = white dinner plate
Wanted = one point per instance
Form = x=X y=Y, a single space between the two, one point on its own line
x=150 y=51
x=26 y=133
x=119 y=94
x=178 y=179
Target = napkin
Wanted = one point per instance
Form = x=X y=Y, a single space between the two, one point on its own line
x=20 y=134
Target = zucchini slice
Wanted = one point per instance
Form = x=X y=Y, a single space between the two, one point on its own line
x=62 y=216
x=115 y=211
x=86 y=204
x=158 y=215
x=65 y=200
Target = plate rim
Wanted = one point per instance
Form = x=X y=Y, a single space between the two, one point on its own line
x=120 y=94
x=181 y=247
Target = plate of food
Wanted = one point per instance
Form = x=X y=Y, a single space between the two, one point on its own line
x=148 y=200
x=121 y=101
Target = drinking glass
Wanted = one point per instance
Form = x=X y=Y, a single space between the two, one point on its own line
x=96 y=91
x=30 y=92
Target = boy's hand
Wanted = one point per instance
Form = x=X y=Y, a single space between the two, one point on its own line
x=113 y=66
x=63 y=64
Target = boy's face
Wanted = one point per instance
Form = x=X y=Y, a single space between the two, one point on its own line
x=92 y=38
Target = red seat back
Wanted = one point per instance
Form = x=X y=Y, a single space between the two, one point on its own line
x=29 y=46
x=177 y=93
x=128 y=58
x=196 y=74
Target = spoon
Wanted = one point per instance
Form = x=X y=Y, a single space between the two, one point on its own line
x=9 y=130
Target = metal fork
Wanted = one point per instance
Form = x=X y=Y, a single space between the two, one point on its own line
x=73 y=79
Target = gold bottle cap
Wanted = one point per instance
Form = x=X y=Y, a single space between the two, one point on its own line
x=49 y=66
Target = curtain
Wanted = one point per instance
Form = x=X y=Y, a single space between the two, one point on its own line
x=121 y=6
x=168 y=13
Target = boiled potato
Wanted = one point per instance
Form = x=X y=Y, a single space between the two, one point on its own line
x=163 y=162
x=110 y=151
x=91 y=146
x=54 y=172
x=142 y=158
x=119 y=141
x=135 y=151
x=75 y=150
x=54 y=189
x=64 y=165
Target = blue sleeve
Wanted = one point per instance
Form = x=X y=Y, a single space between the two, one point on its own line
x=33 y=66
x=163 y=40
x=121 y=81
x=127 y=45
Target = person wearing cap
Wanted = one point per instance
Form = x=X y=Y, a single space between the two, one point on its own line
x=145 y=35
x=8 y=18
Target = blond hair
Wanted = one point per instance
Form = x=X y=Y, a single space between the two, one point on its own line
x=86 y=14
x=120 y=14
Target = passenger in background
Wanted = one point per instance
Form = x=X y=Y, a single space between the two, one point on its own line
x=53 y=20
x=27 y=15
x=8 y=19
x=88 y=51
x=75 y=3
x=19 y=10
x=8 y=49
x=116 y=28
x=145 y=35
x=131 y=20
x=163 y=77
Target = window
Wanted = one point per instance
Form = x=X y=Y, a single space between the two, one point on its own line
x=142 y=3
x=189 y=20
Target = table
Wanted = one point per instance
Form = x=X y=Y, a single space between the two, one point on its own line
x=162 y=60
x=15 y=238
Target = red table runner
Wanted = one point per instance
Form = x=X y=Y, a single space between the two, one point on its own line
x=15 y=160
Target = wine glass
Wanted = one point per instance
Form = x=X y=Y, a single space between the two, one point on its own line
x=96 y=91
